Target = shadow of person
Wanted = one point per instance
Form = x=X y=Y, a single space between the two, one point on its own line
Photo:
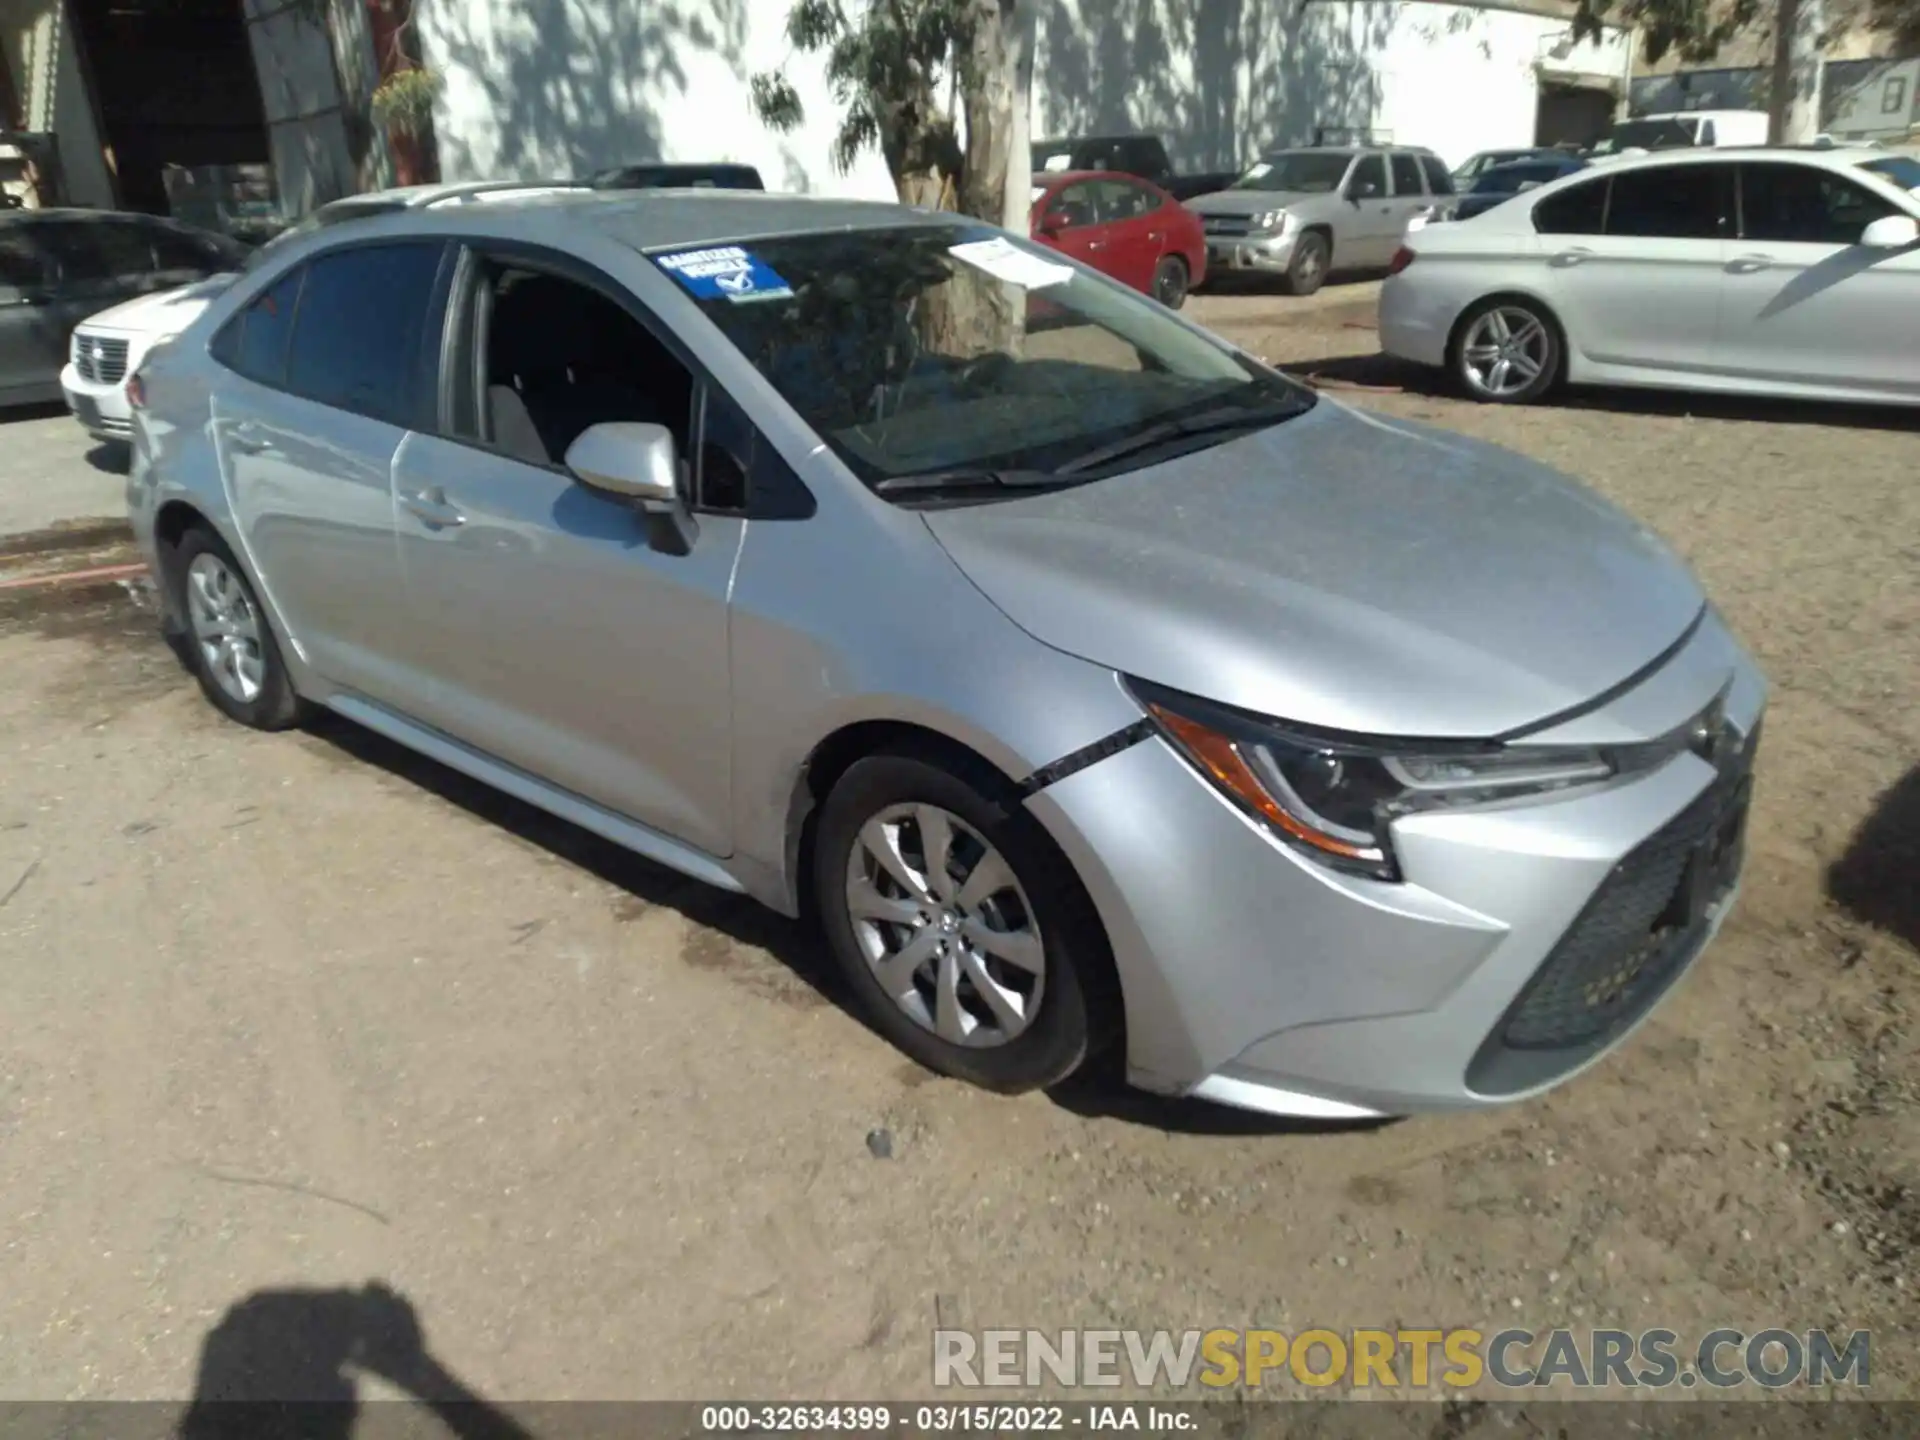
x=283 y=1364
x=1878 y=880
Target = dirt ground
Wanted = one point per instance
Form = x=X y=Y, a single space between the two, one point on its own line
x=285 y=1014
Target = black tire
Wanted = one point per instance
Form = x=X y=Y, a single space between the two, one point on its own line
x=1547 y=350
x=275 y=706
x=1170 y=280
x=1077 y=1010
x=1307 y=271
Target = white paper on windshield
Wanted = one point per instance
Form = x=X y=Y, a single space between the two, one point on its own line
x=1259 y=170
x=1057 y=163
x=1002 y=261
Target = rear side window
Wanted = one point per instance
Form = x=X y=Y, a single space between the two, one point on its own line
x=254 y=342
x=1439 y=182
x=356 y=342
x=1680 y=202
x=1578 y=210
x=22 y=264
x=1406 y=175
x=95 y=250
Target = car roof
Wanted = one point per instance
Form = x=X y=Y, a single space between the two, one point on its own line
x=1050 y=177
x=1835 y=157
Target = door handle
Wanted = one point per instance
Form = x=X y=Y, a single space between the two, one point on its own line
x=1573 y=256
x=432 y=508
x=1096 y=244
x=1156 y=234
x=1748 y=264
x=248 y=439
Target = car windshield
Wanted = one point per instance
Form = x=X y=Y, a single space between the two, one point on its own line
x=1507 y=179
x=930 y=349
x=1901 y=170
x=1310 y=172
x=1646 y=135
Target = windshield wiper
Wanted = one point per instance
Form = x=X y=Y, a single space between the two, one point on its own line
x=1211 y=422
x=966 y=478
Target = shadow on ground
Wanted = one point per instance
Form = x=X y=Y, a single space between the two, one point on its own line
x=283 y=1365
x=1878 y=880
x=40 y=410
x=111 y=457
x=1386 y=373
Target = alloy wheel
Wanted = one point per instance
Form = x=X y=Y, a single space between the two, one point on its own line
x=945 y=926
x=1505 y=351
x=226 y=628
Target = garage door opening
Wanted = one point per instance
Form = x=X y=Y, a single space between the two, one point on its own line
x=1572 y=114
x=173 y=84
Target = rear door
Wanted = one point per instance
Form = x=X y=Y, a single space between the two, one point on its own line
x=331 y=365
x=33 y=335
x=1634 y=264
x=1805 y=302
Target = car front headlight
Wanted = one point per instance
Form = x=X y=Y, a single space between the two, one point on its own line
x=1335 y=798
x=1277 y=222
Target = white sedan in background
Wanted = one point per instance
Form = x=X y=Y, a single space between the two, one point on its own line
x=108 y=347
x=1770 y=271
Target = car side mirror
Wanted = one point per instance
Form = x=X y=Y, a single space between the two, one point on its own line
x=633 y=461
x=636 y=462
x=1054 y=221
x=1362 y=190
x=1891 y=232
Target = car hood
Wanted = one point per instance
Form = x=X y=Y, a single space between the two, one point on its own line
x=1249 y=202
x=167 y=312
x=1342 y=571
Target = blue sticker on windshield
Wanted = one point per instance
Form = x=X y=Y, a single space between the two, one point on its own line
x=724 y=272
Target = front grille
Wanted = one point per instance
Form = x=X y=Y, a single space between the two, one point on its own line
x=99 y=359
x=1226 y=225
x=1646 y=921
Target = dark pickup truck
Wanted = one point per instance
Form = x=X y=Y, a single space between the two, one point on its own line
x=1141 y=155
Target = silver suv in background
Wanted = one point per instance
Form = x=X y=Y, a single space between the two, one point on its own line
x=1302 y=214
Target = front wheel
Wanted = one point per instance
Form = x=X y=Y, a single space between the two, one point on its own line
x=1307 y=270
x=1170 y=282
x=958 y=924
x=1506 y=352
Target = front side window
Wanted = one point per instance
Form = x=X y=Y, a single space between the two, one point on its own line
x=1406 y=175
x=23 y=268
x=1804 y=205
x=1369 y=178
x=176 y=251
x=1678 y=202
x=356 y=342
x=1073 y=207
x=911 y=351
x=1304 y=172
x=90 y=251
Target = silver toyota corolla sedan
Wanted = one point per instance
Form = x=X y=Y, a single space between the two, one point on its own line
x=1094 y=684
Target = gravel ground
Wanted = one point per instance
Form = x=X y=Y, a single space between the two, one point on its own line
x=284 y=1015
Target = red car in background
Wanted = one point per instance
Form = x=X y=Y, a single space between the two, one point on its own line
x=1124 y=227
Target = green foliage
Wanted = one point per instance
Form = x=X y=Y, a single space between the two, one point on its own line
x=404 y=101
x=1692 y=29
x=884 y=63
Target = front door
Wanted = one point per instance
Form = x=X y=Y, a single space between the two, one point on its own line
x=1806 y=303
x=328 y=380
x=1635 y=271
x=33 y=334
x=561 y=638
x=1369 y=232
x=1068 y=220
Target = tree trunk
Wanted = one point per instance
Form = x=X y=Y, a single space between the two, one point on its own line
x=1798 y=76
x=1019 y=197
x=990 y=316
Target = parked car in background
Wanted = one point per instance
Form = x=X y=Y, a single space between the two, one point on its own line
x=678 y=177
x=1792 y=273
x=1299 y=215
x=1503 y=182
x=1142 y=156
x=1477 y=165
x=57 y=267
x=1124 y=227
x=1066 y=684
x=1682 y=130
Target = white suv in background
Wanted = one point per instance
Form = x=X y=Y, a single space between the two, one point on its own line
x=1770 y=271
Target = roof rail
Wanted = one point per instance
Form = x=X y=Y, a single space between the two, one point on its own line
x=480 y=189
